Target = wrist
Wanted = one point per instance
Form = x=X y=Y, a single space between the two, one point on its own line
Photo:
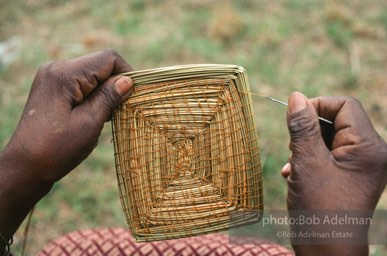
x=20 y=162
x=318 y=232
x=20 y=190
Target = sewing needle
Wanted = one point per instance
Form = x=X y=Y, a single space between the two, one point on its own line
x=283 y=103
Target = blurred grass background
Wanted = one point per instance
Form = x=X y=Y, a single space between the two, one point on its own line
x=316 y=47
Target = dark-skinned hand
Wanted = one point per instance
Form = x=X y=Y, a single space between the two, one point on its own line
x=67 y=107
x=341 y=167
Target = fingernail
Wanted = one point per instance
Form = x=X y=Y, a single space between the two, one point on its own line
x=286 y=167
x=123 y=85
x=297 y=102
x=285 y=171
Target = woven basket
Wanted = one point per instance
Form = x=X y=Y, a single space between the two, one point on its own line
x=186 y=151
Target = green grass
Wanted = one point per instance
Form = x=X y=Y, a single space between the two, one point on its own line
x=284 y=46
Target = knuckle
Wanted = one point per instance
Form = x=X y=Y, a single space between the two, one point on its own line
x=353 y=101
x=52 y=66
x=52 y=70
x=120 y=65
x=112 y=52
x=55 y=77
x=46 y=68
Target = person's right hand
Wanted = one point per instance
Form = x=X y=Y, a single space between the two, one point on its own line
x=348 y=171
x=342 y=168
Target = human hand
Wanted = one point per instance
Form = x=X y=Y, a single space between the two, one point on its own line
x=343 y=167
x=327 y=177
x=69 y=103
x=67 y=107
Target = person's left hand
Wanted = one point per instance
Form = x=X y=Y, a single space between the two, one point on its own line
x=66 y=110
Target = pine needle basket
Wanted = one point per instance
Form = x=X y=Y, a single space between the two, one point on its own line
x=186 y=152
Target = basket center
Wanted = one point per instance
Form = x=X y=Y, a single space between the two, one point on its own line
x=184 y=157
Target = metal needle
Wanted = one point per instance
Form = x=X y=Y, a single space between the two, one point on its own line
x=283 y=103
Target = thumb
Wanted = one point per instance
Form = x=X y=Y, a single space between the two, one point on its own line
x=107 y=97
x=304 y=129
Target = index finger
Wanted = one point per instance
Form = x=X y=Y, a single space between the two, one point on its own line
x=101 y=65
x=80 y=76
x=351 y=123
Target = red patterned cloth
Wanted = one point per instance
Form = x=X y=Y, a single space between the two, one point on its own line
x=119 y=241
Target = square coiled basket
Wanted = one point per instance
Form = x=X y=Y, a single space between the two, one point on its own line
x=186 y=150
